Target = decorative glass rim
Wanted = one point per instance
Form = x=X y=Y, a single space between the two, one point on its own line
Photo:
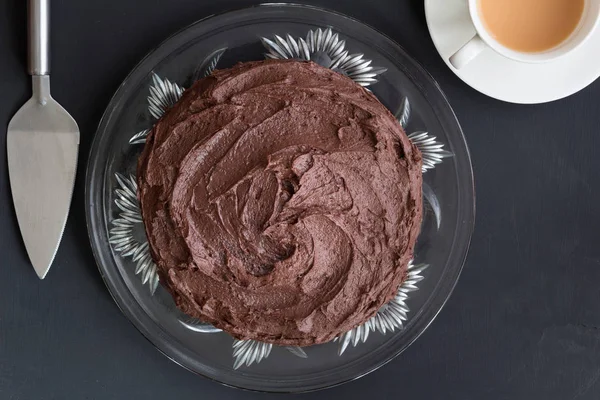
x=98 y=232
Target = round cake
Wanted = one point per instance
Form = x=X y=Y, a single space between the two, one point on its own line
x=281 y=201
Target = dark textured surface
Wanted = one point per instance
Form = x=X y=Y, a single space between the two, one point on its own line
x=523 y=322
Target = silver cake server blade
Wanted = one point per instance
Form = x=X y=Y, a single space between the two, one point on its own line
x=42 y=145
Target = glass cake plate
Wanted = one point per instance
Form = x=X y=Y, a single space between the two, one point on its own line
x=349 y=47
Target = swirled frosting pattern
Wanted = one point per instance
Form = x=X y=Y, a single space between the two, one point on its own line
x=281 y=201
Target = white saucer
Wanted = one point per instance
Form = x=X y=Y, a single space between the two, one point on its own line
x=490 y=73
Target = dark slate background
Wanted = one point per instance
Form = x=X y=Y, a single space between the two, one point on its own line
x=523 y=322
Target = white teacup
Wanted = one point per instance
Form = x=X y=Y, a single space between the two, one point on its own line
x=483 y=39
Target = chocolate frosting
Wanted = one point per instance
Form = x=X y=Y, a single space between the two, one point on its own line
x=282 y=202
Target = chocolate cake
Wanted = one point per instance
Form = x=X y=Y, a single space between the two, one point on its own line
x=281 y=201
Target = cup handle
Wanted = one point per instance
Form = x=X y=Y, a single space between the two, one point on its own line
x=468 y=52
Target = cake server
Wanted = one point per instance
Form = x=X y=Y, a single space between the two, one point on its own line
x=42 y=144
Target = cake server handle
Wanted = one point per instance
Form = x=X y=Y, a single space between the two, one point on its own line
x=38 y=14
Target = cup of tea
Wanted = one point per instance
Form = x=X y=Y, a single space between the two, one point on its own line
x=531 y=31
